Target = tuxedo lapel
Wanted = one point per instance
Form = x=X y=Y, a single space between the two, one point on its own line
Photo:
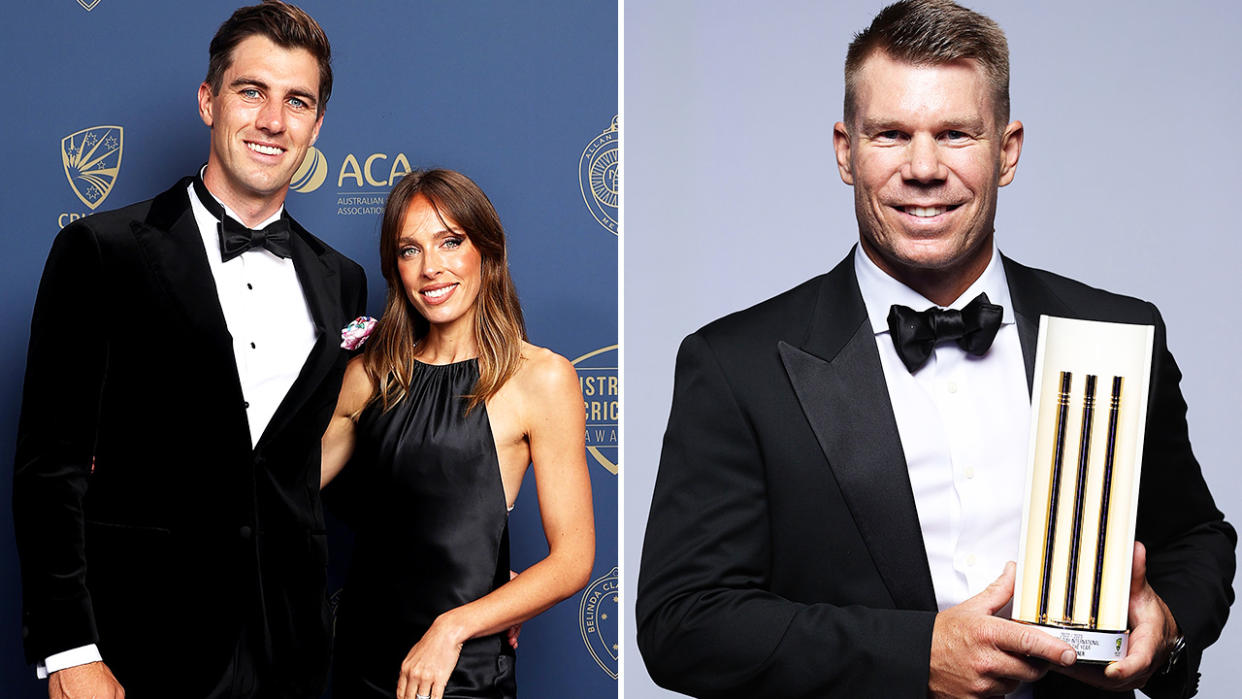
x=1031 y=298
x=321 y=286
x=839 y=383
x=173 y=248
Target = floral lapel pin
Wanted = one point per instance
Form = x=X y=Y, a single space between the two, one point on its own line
x=357 y=332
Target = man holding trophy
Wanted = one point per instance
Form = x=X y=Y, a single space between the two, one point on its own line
x=844 y=472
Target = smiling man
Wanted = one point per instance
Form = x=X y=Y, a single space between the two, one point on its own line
x=838 y=505
x=184 y=361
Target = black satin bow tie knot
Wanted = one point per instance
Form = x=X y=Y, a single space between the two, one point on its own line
x=235 y=238
x=915 y=333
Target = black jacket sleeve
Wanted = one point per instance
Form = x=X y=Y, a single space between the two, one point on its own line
x=65 y=369
x=1190 y=546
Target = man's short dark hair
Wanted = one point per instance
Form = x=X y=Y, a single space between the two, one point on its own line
x=285 y=25
x=932 y=32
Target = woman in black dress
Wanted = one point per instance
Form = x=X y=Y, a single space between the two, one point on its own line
x=439 y=419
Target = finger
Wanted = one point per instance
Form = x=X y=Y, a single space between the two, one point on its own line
x=402 y=684
x=1139 y=656
x=1024 y=640
x=998 y=593
x=1007 y=668
x=1146 y=637
x=1138 y=572
x=421 y=688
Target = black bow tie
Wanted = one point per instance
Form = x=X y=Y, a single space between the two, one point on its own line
x=915 y=333
x=235 y=238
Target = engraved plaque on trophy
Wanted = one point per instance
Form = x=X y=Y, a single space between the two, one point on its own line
x=1089 y=412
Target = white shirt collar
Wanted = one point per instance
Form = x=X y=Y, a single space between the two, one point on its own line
x=880 y=291
x=230 y=212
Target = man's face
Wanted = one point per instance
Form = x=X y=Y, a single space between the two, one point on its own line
x=262 y=122
x=925 y=158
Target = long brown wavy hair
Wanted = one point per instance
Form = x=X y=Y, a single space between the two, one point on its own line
x=499 y=327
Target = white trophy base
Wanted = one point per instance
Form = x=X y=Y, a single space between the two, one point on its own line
x=1093 y=646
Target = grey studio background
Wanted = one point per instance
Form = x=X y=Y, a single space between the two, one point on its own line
x=1129 y=180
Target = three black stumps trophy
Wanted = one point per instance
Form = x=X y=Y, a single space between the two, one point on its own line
x=1089 y=405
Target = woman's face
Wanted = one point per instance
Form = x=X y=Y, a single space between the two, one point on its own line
x=440 y=268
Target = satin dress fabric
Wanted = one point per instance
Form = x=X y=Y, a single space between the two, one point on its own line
x=433 y=536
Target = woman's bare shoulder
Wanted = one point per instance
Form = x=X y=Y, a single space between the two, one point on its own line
x=544 y=374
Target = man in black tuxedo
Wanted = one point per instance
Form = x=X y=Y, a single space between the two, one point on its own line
x=182 y=369
x=832 y=512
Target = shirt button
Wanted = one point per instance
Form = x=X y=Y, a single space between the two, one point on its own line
x=245 y=532
x=952 y=387
x=246 y=405
x=970 y=560
x=969 y=472
x=250 y=286
x=252 y=346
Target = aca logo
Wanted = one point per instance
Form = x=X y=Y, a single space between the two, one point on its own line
x=369 y=178
x=311 y=173
x=598 y=177
x=597 y=620
x=88 y=5
x=597 y=377
x=92 y=160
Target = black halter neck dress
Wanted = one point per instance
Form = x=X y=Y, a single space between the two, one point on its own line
x=434 y=536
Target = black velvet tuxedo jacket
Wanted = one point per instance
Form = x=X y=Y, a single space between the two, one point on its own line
x=783 y=555
x=146 y=522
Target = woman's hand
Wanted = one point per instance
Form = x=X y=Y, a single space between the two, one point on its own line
x=427 y=667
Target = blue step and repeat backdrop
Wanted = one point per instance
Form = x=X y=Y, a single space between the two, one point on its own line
x=99 y=112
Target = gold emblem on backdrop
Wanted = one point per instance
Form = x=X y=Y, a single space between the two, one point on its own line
x=311 y=173
x=88 y=5
x=599 y=178
x=597 y=377
x=597 y=620
x=92 y=160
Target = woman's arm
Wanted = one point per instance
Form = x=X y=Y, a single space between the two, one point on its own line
x=337 y=444
x=555 y=423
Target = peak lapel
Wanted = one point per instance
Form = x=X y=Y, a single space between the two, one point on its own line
x=173 y=248
x=840 y=385
x=1031 y=298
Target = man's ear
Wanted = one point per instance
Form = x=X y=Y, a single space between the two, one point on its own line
x=841 y=144
x=206 y=104
x=1011 y=150
x=318 y=124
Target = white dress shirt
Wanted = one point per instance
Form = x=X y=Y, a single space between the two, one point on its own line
x=273 y=333
x=964 y=423
x=266 y=314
